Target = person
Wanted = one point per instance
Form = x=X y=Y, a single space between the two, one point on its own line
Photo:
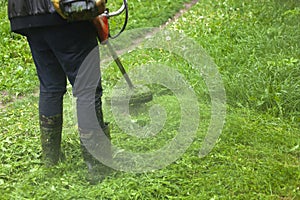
x=64 y=51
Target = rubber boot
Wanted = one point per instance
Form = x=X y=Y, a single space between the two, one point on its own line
x=93 y=144
x=51 y=129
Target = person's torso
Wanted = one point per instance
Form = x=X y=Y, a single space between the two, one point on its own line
x=27 y=14
x=21 y=8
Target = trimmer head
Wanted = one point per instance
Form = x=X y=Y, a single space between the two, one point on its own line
x=137 y=95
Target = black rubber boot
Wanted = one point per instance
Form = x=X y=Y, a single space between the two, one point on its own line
x=93 y=144
x=51 y=129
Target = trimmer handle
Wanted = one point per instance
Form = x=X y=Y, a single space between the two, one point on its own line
x=102 y=27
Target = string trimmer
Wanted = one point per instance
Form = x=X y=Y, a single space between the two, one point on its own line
x=140 y=94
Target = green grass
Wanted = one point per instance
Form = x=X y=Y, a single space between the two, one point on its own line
x=256 y=47
x=18 y=75
x=257 y=156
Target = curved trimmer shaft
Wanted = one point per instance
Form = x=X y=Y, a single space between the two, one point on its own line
x=120 y=65
x=140 y=94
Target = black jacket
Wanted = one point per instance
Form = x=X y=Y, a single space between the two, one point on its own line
x=25 y=14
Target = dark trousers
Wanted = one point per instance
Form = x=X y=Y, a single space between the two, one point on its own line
x=68 y=52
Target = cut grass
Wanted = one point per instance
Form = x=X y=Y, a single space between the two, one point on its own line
x=251 y=160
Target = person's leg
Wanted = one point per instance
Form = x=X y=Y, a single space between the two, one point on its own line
x=76 y=48
x=52 y=88
x=94 y=133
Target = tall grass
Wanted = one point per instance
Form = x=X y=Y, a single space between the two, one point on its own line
x=256 y=46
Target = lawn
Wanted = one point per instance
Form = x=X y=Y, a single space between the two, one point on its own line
x=254 y=45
